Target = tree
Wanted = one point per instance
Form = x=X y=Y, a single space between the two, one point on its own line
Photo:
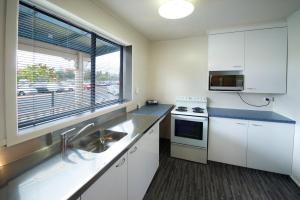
x=37 y=72
x=69 y=74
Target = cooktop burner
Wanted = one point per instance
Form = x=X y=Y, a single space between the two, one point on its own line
x=191 y=106
x=198 y=110
x=181 y=109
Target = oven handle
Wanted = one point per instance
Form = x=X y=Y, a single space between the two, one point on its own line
x=190 y=118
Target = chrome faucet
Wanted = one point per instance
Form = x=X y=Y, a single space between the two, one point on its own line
x=66 y=139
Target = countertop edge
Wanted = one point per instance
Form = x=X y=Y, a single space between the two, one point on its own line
x=254 y=119
x=245 y=116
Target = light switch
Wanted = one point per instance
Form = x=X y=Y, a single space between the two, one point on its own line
x=137 y=90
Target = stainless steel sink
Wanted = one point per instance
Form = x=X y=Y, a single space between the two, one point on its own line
x=98 y=141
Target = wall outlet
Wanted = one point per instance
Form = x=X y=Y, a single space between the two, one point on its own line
x=269 y=99
x=137 y=91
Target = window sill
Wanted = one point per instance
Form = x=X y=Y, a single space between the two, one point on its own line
x=43 y=129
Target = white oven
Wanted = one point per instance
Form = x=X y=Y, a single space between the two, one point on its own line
x=189 y=130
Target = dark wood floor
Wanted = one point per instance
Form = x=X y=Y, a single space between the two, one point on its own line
x=179 y=180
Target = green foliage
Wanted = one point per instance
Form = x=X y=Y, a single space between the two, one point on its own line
x=44 y=73
x=100 y=76
x=39 y=72
x=69 y=75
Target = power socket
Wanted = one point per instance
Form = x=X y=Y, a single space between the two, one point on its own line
x=269 y=99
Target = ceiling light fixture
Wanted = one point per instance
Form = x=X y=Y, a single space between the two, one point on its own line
x=176 y=9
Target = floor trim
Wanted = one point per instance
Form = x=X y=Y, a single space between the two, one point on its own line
x=295 y=180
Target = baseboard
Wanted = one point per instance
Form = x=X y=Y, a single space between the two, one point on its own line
x=297 y=182
x=2 y=142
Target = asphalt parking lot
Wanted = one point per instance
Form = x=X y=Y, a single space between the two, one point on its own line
x=40 y=105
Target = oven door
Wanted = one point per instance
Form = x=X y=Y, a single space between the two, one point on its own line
x=189 y=130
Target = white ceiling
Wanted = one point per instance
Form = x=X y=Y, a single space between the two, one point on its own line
x=208 y=15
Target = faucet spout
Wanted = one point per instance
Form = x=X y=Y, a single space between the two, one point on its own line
x=80 y=131
x=66 y=139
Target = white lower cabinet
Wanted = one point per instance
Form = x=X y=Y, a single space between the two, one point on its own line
x=228 y=141
x=143 y=160
x=153 y=151
x=270 y=146
x=112 y=185
x=260 y=145
x=130 y=177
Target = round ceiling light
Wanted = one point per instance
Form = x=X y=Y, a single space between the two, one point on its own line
x=176 y=9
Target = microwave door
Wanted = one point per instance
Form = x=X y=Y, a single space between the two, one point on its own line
x=226 y=82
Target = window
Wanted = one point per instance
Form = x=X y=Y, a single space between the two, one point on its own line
x=62 y=69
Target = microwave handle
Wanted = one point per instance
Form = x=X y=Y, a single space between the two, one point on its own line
x=209 y=83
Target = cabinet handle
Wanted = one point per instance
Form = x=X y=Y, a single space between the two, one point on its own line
x=241 y=123
x=256 y=125
x=251 y=88
x=121 y=163
x=133 y=150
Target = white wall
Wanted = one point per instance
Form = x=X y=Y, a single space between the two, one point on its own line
x=289 y=104
x=179 y=68
x=2 y=29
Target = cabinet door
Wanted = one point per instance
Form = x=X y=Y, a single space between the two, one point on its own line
x=137 y=173
x=143 y=161
x=111 y=185
x=270 y=146
x=152 y=139
x=266 y=60
x=227 y=141
x=226 y=51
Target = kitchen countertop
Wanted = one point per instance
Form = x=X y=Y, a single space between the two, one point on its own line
x=267 y=116
x=66 y=177
x=156 y=110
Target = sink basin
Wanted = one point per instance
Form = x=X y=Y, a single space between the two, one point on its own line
x=98 y=141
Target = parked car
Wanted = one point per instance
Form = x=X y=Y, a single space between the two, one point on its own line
x=26 y=90
x=113 y=89
x=45 y=87
x=87 y=86
x=42 y=89
x=65 y=88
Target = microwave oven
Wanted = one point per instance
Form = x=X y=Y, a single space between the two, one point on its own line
x=226 y=82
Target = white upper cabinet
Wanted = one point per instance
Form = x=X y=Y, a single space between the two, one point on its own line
x=266 y=60
x=270 y=146
x=260 y=53
x=226 y=51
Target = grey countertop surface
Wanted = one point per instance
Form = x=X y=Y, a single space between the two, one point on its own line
x=156 y=110
x=267 y=116
x=62 y=178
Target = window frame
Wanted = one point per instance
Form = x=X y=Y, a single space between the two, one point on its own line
x=93 y=105
x=12 y=132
